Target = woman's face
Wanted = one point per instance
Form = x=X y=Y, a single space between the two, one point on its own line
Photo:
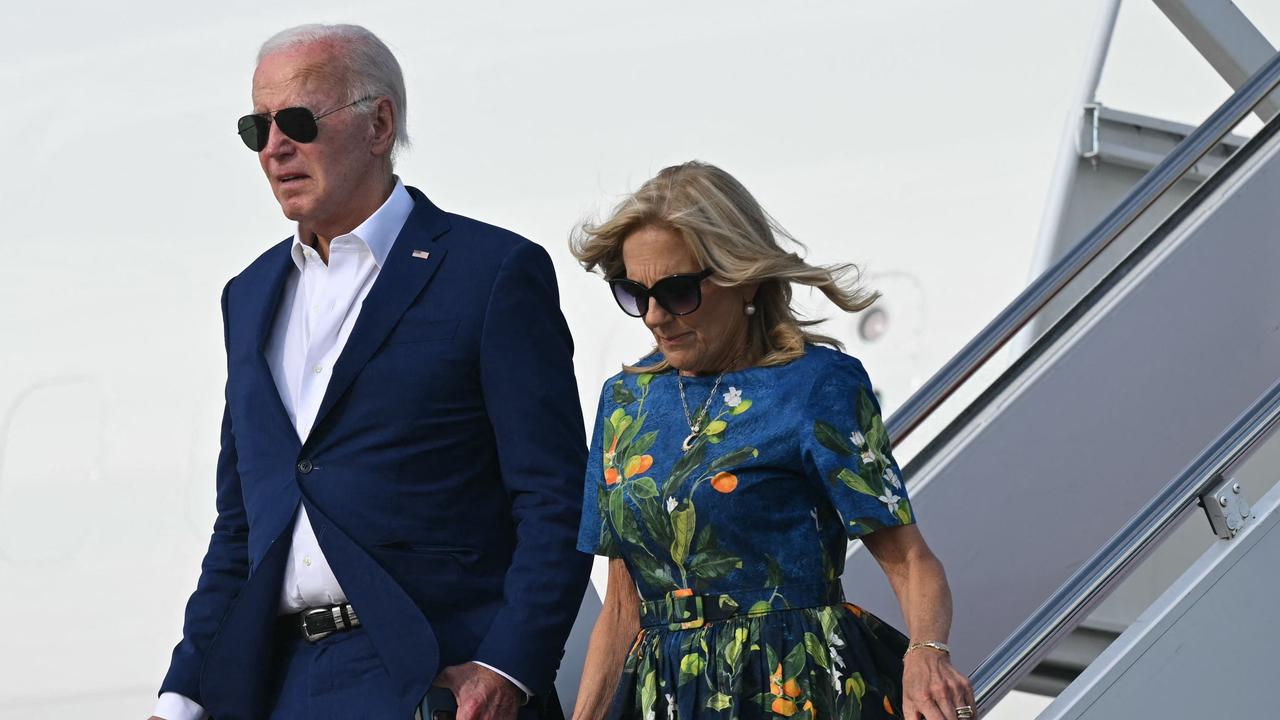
x=709 y=339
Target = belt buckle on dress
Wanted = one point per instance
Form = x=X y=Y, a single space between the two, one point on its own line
x=310 y=636
x=686 y=610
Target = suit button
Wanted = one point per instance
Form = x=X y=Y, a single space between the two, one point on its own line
x=305 y=467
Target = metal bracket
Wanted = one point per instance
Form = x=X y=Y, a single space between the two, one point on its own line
x=1090 y=143
x=1227 y=508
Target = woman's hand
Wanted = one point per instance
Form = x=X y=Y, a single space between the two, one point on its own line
x=932 y=687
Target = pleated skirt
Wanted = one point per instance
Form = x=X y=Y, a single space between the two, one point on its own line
x=837 y=662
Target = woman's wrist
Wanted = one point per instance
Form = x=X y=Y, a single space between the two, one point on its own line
x=933 y=645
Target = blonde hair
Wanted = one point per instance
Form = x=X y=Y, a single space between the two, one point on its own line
x=734 y=237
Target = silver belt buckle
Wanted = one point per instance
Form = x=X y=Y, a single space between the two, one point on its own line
x=310 y=636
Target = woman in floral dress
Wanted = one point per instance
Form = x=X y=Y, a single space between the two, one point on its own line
x=728 y=470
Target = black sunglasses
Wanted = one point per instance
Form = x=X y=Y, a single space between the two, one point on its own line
x=297 y=124
x=677 y=294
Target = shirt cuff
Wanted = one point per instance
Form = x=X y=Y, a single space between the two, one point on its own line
x=527 y=693
x=172 y=706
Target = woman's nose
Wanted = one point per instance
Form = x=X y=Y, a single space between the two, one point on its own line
x=656 y=315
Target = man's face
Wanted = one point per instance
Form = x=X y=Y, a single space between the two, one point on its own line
x=316 y=183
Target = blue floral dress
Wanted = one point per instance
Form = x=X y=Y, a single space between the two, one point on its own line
x=737 y=545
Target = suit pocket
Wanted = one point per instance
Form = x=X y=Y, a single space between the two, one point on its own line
x=454 y=552
x=411 y=331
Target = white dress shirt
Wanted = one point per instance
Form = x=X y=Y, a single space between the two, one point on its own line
x=318 y=308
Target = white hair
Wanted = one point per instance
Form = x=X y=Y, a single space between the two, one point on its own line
x=369 y=69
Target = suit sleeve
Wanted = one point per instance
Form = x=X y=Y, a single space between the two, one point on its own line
x=224 y=570
x=532 y=400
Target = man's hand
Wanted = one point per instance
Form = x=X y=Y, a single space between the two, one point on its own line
x=482 y=693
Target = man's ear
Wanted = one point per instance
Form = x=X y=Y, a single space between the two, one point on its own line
x=384 y=126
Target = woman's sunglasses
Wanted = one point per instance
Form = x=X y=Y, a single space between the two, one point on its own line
x=677 y=294
x=297 y=124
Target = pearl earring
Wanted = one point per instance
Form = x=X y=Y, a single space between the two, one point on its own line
x=750 y=309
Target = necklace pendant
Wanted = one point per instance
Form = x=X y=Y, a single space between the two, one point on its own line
x=688 y=442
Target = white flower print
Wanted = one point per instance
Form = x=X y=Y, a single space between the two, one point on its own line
x=857 y=439
x=890 y=500
x=733 y=398
x=867 y=457
x=671 y=504
x=891 y=477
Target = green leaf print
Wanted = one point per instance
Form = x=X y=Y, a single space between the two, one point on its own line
x=827 y=617
x=618 y=515
x=692 y=664
x=817 y=650
x=878 y=437
x=684 y=466
x=644 y=442
x=719 y=701
x=731 y=459
x=621 y=394
x=866 y=525
x=759 y=607
x=628 y=433
x=904 y=513
x=713 y=564
x=644 y=487
x=652 y=571
x=857 y=482
x=854 y=685
x=716 y=427
x=831 y=439
x=794 y=663
x=607 y=545
x=643 y=379
x=743 y=406
x=869 y=421
x=649 y=689
x=610 y=432
x=733 y=649
x=774 y=576
x=683 y=520
x=656 y=520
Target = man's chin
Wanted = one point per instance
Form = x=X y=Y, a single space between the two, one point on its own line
x=293 y=208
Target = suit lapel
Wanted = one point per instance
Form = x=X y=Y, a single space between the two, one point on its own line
x=260 y=293
x=401 y=279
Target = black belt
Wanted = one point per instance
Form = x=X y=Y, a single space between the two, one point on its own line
x=321 y=622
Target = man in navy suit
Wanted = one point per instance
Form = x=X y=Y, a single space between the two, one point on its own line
x=399 y=485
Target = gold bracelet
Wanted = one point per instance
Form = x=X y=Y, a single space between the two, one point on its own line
x=940 y=647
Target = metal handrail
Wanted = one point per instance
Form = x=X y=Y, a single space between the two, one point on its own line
x=1017 y=655
x=1044 y=288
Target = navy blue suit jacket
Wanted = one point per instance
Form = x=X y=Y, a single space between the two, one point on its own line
x=443 y=474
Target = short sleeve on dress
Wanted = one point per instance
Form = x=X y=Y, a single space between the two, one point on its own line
x=845 y=448
x=595 y=536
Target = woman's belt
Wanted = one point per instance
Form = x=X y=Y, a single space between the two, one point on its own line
x=683 y=610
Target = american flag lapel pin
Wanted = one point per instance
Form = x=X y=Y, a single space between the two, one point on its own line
x=421 y=254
